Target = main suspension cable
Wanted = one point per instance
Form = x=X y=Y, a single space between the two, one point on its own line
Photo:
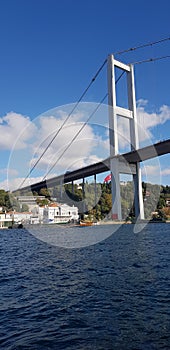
x=153 y=59
x=84 y=124
x=152 y=43
x=64 y=122
x=75 y=136
x=87 y=88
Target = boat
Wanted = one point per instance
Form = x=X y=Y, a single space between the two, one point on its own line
x=85 y=223
x=157 y=220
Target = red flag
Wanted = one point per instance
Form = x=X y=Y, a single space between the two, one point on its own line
x=107 y=178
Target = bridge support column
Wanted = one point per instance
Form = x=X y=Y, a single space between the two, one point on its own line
x=138 y=200
x=130 y=114
x=83 y=198
x=61 y=189
x=95 y=191
x=115 y=182
x=72 y=187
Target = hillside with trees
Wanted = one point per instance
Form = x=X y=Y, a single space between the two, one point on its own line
x=96 y=201
x=9 y=202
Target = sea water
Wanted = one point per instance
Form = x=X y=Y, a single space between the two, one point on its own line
x=112 y=293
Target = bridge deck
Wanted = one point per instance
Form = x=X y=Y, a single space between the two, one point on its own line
x=139 y=155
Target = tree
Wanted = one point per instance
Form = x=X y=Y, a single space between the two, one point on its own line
x=161 y=203
x=125 y=208
x=2 y=198
x=42 y=202
x=24 y=208
x=11 y=202
x=44 y=192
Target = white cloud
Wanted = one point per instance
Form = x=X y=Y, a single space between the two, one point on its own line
x=142 y=102
x=15 y=130
x=30 y=138
x=165 y=172
x=73 y=146
x=14 y=183
x=12 y=172
x=153 y=170
x=147 y=121
x=66 y=146
x=4 y=185
x=151 y=173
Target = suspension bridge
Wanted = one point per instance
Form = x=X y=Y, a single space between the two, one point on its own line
x=127 y=163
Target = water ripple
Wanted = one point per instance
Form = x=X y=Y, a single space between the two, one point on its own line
x=113 y=295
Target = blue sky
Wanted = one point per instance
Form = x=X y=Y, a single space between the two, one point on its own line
x=50 y=51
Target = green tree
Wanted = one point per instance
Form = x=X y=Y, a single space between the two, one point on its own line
x=2 y=198
x=24 y=207
x=42 y=202
x=161 y=203
x=125 y=208
x=45 y=192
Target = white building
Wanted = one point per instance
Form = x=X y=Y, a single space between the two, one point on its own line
x=5 y=220
x=23 y=217
x=60 y=213
x=30 y=201
x=37 y=215
x=168 y=202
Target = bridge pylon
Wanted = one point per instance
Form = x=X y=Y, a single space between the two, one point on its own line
x=118 y=166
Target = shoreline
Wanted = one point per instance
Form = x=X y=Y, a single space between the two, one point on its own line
x=114 y=222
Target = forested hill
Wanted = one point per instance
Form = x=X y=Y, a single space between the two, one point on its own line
x=97 y=201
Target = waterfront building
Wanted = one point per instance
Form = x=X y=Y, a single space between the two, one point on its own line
x=30 y=201
x=5 y=220
x=60 y=213
x=168 y=202
x=21 y=217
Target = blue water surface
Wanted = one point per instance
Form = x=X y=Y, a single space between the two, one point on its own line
x=111 y=295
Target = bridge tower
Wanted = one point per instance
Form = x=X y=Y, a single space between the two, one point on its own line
x=118 y=166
